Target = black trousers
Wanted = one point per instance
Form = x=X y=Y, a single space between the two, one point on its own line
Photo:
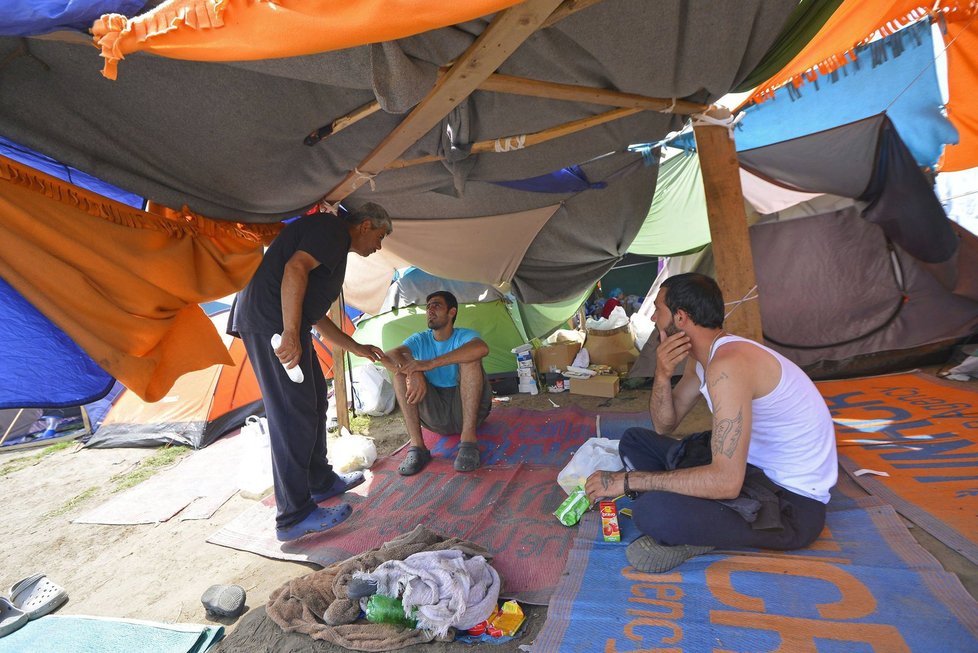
x=673 y=519
x=296 y=415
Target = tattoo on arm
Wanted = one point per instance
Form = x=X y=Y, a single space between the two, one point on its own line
x=606 y=480
x=726 y=435
x=716 y=381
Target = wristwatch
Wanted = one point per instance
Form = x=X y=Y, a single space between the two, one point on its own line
x=630 y=493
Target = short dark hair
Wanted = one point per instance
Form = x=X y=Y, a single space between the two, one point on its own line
x=370 y=211
x=698 y=295
x=450 y=301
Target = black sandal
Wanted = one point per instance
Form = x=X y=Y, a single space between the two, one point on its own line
x=414 y=461
x=467 y=459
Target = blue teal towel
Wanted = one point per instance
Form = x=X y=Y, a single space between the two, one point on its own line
x=74 y=634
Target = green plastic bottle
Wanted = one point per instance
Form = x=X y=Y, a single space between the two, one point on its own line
x=385 y=610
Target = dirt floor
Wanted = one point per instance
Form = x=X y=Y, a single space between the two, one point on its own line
x=158 y=572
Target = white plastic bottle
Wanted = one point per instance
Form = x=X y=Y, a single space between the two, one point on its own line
x=294 y=373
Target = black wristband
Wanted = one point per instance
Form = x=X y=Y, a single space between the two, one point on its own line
x=630 y=493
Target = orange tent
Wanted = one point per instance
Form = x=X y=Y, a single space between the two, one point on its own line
x=200 y=407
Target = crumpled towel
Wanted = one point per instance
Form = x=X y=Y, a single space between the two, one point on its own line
x=303 y=603
x=445 y=588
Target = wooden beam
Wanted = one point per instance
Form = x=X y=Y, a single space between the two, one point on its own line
x=343 y=122
x=336 y=313
x=728 y=226
x=573 y=93
x=499 y=40
x=567 y=8
x=523 y=141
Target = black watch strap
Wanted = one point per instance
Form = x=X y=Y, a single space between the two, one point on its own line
x=630 y=493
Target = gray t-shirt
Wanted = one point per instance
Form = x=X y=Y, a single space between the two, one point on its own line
x=258 y=308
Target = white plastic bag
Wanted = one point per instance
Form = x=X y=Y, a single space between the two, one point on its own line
x=351 y=451
x=255 y=467
x=373 y=392
x=642 y=328
x=594 y=455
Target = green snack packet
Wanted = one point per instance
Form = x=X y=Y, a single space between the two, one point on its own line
x=575 y=505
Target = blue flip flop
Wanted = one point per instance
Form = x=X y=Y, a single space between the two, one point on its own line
x=343 y=483
x=318 y=521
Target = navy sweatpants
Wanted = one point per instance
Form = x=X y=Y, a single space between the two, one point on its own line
x=296 y=415
x=673 y=519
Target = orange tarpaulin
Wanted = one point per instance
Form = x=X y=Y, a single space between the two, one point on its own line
x=239 y=30
x=856 y=21
x=122 y=283
x=962 y=86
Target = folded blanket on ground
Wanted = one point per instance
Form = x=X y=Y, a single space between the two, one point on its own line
x=304 y=603
x=446 y=589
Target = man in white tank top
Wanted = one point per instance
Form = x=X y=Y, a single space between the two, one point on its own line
x=764 y=478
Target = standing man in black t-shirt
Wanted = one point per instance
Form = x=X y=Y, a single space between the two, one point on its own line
x=298 y=280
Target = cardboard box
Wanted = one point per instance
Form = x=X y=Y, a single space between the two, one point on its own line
x=620 y=362
x=613 y=348
x=602 y=385
x=558 y=355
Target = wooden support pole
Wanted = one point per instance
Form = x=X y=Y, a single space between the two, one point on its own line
x=574 y=93
x=567 y=8
x=728 y=226
x=339 y=369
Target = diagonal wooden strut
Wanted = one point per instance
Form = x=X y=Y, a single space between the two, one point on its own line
x=500 y=39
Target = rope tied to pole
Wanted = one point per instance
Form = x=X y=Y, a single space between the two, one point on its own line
x=749 y=296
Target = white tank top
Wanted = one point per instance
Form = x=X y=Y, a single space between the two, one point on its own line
x=792 y=438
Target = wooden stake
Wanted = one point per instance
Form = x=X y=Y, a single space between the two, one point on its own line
x=728 y=226
x=11 y=427
x=499 y=40
x=523 y=141
x=339 y=368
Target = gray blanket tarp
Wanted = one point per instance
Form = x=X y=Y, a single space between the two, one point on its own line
x=828 y=283
x=864 y=160
x=226 y=139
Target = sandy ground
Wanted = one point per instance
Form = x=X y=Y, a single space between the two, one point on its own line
x=158 y=572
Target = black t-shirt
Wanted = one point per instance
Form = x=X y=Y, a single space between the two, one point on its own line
x=258 y=308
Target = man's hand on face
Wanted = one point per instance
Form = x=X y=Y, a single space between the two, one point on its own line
x=604 y=485
x=671 y=352
x=417 y=387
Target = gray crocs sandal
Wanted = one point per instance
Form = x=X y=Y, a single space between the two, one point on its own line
x=414 y=461
x=647 y=555
x=224 y=600
x=467 y=458
x=37 y=595
x=11 y=617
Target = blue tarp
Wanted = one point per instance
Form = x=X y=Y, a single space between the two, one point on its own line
x=565 y=180
x=838 y=595
x=55 y=168
x=896 y=75
x=39 y=364
x=33 y=17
